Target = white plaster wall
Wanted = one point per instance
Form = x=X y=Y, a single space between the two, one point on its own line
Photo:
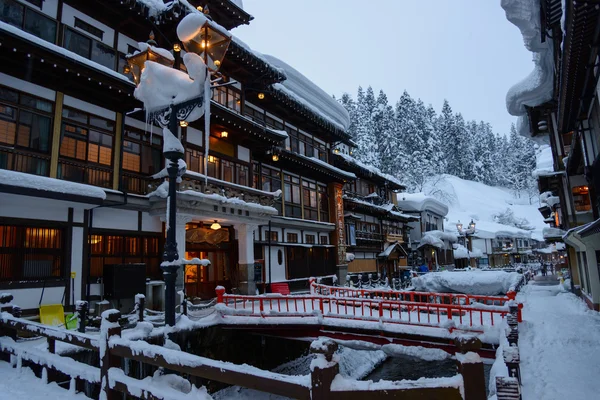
x=194 y=136
x=30 y=298
x=68 y=17
x=243 y=153
x=27 y=87
x=150 y=223
x=592 y=243
x=16 y=206
x=89 y=107
x=277 y=270
x=111 y=218
x=77 y=260
x=124 y=42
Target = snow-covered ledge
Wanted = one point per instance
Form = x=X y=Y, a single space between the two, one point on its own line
x=536 y=88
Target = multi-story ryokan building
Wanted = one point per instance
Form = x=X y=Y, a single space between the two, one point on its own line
x=559 y=105
x=77 y=158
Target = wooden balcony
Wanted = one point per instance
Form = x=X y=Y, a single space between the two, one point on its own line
x=393 y=237
x=85 y=173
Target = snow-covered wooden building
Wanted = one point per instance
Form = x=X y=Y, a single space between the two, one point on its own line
x=77 y=158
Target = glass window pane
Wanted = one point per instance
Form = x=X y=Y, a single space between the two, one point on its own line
x=77 y=43
x=75 y=115
x=103 y=55
x=40 y=26
x=7 y=94
x=101 y=123
x=11 y=12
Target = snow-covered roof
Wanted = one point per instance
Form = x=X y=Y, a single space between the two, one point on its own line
x=388 y=250
x=536 y=88
x=436 y=238
x=305 y=91
x=417 y=202
x=544 y=162
x=328 y=166
x=373 y=170
x=389 y=208
x=20 y=179
x=553 y=233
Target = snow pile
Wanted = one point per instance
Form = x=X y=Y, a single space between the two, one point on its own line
x=461 y=251
x=171 y=143
x=420 y=201
x=537 y=87
x=544 y=163
x=370 y=168
x=477 y=282
x=20 y=179
x=142 y=46
x=436 y=239
x=161 y=86
x=155 y=7
x=306 y=92
x=468 y=200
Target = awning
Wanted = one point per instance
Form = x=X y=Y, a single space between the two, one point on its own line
x=393 y=251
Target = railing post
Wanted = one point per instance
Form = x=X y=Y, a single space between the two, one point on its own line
x=507 y=388
x=512 y=360
x=15 y=311
x=82 y=312
x=140 y=305
x=311 y=285
x=324 y=368
x=511 y=294
x=470 y=367
x=220 y=292
x=109 y=327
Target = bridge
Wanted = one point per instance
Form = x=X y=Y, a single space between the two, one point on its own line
x=377 y=317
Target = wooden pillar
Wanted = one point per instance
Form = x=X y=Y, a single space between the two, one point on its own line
x=109 y=327
x=336 y=207
x=117 y=151
x=470 y=367
x=56 y=132
x=325 y=368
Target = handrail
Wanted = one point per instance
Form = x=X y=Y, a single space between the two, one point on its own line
x=428 y=297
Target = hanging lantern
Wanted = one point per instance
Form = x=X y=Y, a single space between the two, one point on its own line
x=261 y=96
x=215 y=226
x=200 y=35
x=149 y=52
x=275 y=157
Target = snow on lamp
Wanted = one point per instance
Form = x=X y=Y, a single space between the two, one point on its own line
x=459 y=226
x=202 y=36
x=472 y=226
x=148 y=51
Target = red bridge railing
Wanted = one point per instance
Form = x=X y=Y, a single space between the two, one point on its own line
x=473 y=317
x=407 y=295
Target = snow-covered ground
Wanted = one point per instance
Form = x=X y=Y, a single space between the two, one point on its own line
x=559 y=345
x=468 y=200
x=23 y=384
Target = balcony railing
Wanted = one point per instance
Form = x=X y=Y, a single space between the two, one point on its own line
x=369 y=236
x=207 y=185
x=394 y=237
x=84 y=173
x=137 y=183
x=22 y=161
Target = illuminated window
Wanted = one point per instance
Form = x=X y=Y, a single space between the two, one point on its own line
x=292 y=238
x=581 y=198
x=310 y=239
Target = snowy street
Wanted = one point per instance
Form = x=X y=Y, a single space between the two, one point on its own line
x=558 y=344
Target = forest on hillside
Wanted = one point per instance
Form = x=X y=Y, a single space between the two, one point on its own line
x=411 y=141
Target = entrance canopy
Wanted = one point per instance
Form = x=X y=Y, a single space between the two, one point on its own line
x=393 y=252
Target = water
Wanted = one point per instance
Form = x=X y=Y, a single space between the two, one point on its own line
x=406 y=367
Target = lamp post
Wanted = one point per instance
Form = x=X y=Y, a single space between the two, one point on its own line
x=466 y=233
x=201 y=36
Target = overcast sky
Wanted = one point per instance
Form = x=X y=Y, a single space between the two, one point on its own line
x=465 y=51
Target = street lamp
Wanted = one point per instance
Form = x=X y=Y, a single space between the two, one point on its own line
x=200 y=35
x=466 y=233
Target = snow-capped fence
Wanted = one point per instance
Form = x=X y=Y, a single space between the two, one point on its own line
x=473 y=317
x=412 y=296
x=324 y=382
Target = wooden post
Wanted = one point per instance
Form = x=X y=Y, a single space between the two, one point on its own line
x=512 y=360
x=51 y=345
x=324 y=368
x=109 y=327
x=140 y=305
x=311 y=282
x=220 y=292
x=470 y=367
x=82 y=313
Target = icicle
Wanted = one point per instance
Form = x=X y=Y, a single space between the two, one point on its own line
x=206 y=123
x=73 y=386
x=13 y=361
x=44 y=376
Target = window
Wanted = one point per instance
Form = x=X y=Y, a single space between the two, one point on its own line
x=142 y=152
x=31 y=253
x=89 y=48
x=84 y=26
x=108 y=248
x=273 y=234
x=323 y=203
x=324 y=240
x=86 y=139
x=218 y=168
x=25 y=125
x=310 y=239
x=350 y=235
x=229 y=97
x=581 y=198
x=28 y=19
x=309 y=192
x=270 y=181
x=292 y=238
x=292 y=198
